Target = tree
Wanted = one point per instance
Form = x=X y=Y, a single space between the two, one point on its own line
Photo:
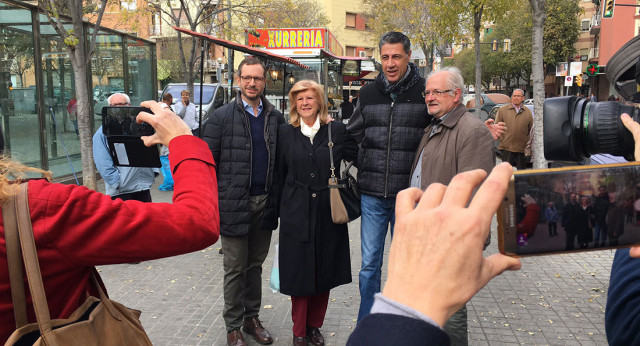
x=537 y=67
x=21 y=55
x=291 y=14
x=80 y=56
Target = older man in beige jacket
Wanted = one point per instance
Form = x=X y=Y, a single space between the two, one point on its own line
x=454 y=142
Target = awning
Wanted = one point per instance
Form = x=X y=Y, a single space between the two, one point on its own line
x=243 y=48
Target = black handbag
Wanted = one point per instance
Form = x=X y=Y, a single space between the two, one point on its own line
x=344 y=194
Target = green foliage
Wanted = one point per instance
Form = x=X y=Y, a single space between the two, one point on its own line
x=70 y=39
x=293 y=14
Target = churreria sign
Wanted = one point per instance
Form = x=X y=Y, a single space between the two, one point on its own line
x=295 y=38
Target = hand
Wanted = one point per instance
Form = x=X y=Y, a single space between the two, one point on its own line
x=435 y=262
x=634 y=128
x=527 y=199
x=166 y=123
x=497 y=130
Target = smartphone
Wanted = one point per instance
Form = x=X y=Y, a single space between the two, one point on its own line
x=121 y=121
x=123 y=137
x=570 y=209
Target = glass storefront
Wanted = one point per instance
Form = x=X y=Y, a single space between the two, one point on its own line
x=39 y=130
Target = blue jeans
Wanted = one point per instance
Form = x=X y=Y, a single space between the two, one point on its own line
x=166 y=172
x=377 y=214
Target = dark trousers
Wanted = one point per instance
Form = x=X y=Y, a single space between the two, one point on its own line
x=142 y=196
x=571 y=239
x=308 y=311
x=242 y=262
x=553 y=228
x=517 y=160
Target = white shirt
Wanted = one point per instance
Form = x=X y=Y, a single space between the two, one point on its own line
x=188 y=114
x=310 y=131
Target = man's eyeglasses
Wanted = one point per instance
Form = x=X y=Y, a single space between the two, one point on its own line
x=435 y=93
x=247 y=79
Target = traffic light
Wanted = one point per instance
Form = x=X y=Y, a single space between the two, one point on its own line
x=507 y=44
x=494 y=46
x=579 y=80
x=607 y=11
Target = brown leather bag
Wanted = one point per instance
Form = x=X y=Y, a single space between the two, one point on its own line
x=98 y=321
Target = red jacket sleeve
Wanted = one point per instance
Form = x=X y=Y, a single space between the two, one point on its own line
x=530 y=222
x=87 y=228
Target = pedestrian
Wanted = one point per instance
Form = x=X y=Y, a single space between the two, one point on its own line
x=456 y=141
x=611 y=98
x=167 y=183
x=76 y=229
x=346 y=108
x=387 y=123
x=314 y=252
x=187 y=111
x=519 y=121
x=593 y=98
x=584 y=223
x=242 y=136
x=600 y=210
x=551 y=214
x=569 y=217
x=121 y=182
x=72 y=110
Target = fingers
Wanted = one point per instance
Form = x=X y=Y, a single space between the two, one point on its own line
x=406 y=201
x=489 y=122
x=498 y=263
x=634 y=128
x=634 y=251
x=490 y=194
x=461 y=187
x=151 y=140
x=432 y=196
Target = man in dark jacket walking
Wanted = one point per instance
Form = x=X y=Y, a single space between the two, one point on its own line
x=387 y=123
x=242 y=137
x=600 y=210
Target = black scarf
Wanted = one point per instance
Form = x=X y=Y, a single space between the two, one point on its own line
x=407 y=82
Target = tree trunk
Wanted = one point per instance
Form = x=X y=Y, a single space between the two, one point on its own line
x=537 y=72
x=477 y=16
x=78 y=59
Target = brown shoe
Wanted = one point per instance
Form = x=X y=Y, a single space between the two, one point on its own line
x=235 y=338
x=314 y=336
x=299 y=341
x=253 y=327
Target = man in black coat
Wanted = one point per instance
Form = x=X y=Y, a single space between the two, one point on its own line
x=242 y=137
x=569 y=219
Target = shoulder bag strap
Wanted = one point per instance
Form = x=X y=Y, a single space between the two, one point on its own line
x=30 y=257
x=330 y=144
x=14 y=259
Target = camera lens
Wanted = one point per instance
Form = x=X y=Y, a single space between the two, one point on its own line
x=575 y=129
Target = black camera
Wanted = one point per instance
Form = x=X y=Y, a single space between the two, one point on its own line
x=575 y=128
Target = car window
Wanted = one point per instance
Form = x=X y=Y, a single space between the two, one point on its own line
x=219 y=101
x=207 y=95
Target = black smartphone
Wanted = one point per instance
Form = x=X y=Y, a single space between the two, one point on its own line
x=123 y=137
x=121 y=121
x=570 y=209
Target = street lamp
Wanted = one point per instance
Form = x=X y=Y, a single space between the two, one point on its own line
x=274 y=73
x=292 y=79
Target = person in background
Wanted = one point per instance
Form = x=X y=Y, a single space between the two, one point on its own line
x=242 y=137
x=72 y=109
x=314 y=252
x=519 y=121
x=76 y=229
x=593 y=98
x=187 y=111
x=167 y=183
x=121 y=182
x=600 y=208
x=551 y=214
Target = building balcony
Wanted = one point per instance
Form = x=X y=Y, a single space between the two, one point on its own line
x=594 y=53
x=595 y=24
x=154 y=30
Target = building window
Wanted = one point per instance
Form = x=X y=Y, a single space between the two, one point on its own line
x=350 y=20
x=586 y=25
x=128 y=5
x=350 y=51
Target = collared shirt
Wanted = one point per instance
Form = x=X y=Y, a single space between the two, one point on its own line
x=310 y=131
x=517 y=108
x=435 y=122
x=249 y=108
x=384 y=305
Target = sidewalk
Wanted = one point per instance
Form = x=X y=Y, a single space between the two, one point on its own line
x=553 y=300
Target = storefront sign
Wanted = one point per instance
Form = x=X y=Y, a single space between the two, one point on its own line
x=295 y=39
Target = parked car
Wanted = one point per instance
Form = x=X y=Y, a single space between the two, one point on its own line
x=528 y=102
x=489 y=101
x=213 y=96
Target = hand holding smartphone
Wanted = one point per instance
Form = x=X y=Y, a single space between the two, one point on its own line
x=595 y=207
x=123 y=134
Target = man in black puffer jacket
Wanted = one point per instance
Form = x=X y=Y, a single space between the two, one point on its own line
x=242 y=137
x=387 y=123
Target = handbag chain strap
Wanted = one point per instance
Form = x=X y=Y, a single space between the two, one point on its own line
x=330 y=144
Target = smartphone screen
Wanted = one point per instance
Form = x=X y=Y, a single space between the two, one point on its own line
x=570 y=209
x=121 y=121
